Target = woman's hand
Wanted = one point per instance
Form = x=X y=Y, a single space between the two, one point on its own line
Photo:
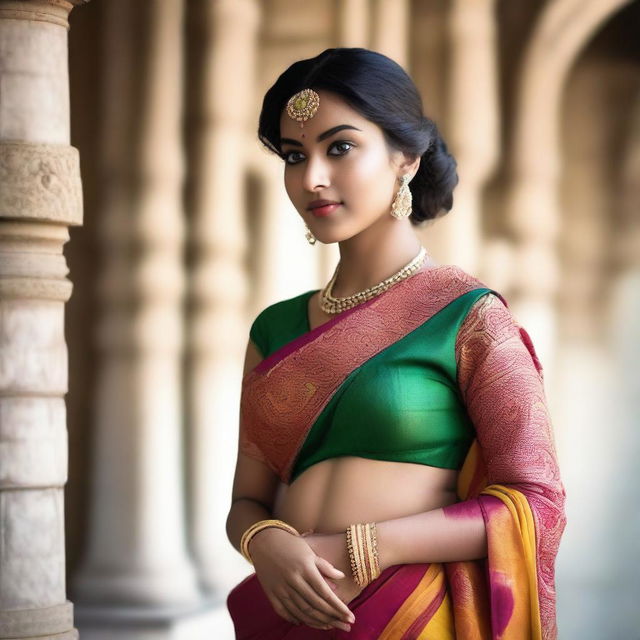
x=333 y=547
x=291 y=575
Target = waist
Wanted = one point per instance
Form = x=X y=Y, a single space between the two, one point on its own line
x=334 y=493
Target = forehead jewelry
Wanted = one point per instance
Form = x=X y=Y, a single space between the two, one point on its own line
x=303 y=105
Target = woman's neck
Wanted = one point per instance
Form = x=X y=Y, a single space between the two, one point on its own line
x=365 y=261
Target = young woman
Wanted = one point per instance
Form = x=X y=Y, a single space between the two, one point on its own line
x=396 y=473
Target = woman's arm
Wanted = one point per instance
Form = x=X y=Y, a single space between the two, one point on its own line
x=448 y=534
x=500 y=380
x=243 y=513
x=254 y=484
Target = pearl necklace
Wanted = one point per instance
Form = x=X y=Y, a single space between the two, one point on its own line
x=329 y=304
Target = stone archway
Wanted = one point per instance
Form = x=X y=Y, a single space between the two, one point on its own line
x=587 y=377
x=563 y=30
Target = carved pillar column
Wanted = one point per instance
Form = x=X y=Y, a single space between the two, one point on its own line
x=136 y=572
x=353 y=23
x=390 y=29
x=227 y=32
x=472 y=132
x=40 y=196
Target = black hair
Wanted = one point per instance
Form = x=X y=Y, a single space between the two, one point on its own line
x=381 y=91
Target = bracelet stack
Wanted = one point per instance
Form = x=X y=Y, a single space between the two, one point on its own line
x=362 y=545
x=259 y=526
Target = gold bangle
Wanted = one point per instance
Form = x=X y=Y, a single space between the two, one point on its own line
x=361 y=555
x=362 y=545
x=259 y=526
x=373 y=551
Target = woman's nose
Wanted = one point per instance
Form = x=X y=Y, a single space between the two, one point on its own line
x=316 y=174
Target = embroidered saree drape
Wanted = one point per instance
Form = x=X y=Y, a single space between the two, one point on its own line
x=509 y=475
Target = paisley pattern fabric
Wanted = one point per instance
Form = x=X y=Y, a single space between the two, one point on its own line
x=509 y=477
x=501 y=381
x=285 y=394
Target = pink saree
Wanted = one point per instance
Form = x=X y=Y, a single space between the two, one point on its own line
x=509 y=477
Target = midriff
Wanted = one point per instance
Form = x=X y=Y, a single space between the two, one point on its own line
x=332 y=494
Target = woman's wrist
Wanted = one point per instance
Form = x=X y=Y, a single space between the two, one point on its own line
x=362 y=550
x=386 y=557
x=258 y=526
x=263 y=537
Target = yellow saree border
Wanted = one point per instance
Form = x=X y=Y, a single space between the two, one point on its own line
x=494 y=598
x=429 y=606
x=522 y=522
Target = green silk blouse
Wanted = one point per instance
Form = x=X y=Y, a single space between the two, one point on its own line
x=403 y=404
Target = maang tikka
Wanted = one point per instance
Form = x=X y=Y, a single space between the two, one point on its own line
x=401 y=205
x=303 y=105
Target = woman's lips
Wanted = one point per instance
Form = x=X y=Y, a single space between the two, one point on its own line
x=325 y=210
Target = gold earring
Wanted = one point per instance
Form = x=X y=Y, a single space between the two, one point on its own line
x=311 y=239
x=401 y=205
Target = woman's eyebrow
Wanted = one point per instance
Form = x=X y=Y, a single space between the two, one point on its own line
x=322 y=136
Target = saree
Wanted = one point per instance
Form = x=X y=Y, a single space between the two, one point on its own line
x=509 y=476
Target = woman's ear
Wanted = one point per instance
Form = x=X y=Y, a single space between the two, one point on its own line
x=408 y=164
x=414 y=165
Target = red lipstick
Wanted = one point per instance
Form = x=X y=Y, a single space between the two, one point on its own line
x=322 y=208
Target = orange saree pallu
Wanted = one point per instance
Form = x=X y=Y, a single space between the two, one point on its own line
x=482 y=368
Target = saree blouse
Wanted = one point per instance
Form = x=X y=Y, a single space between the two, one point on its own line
x=402 y=405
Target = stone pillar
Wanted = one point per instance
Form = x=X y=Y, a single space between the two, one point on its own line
x=226 y=33
x=471 y=132
x=390 y=29
x=136 y=573
x=353 y=23
x=40 y=197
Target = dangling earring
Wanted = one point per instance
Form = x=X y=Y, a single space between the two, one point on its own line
x=311 y=239
x=401 y=205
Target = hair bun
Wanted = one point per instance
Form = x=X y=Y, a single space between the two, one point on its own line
x=435 y=180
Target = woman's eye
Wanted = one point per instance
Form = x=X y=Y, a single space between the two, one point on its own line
x=287 y=157
x=341 y=145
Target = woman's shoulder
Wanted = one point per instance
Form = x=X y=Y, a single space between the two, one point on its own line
x=488 y=315
x=450 y=282
x=280 y=317
x=489 y=325
x=284 y=306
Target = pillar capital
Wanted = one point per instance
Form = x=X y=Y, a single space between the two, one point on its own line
x=53 y=11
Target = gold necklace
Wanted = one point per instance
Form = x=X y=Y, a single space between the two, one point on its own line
x=329 y=304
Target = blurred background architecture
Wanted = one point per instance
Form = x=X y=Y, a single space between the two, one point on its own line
x=187 y=234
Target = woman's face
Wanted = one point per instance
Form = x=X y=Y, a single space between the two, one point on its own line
x=341 y=157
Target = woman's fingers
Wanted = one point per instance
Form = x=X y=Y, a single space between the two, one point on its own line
x=325 y=599
x=306 y=611
x=320 y=583
x=280 y=607
x=317 y=618
x=317 y=608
